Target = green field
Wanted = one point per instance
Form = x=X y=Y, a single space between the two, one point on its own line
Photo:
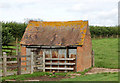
x=106 y=52
x=95 y=77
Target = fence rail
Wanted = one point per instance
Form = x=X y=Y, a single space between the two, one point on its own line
x=18 y=65
x=24 y=64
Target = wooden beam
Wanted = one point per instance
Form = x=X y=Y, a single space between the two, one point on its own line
x=59 y=58
x=31 y=63
x=50 y=58
x=19 y=63
x=11 y=61
x=67 y=52
x=55 y=68
x=5 y=64
x=60 y=63
x=43 y=61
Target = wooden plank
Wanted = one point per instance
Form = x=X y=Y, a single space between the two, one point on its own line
x=56 y=68
x=11 y=61
x=59 y=58
x=60 y=63
x=11 y=56
x=38 y=55
x=50 y=58
x=65 y=60
x=38 y=65
x=5 y=64
x=43 y=61
x=31 y=63
x=19 y=63
x=17 y=46
x=67 y=52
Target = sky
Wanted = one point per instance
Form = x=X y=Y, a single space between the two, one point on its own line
x=97 y=12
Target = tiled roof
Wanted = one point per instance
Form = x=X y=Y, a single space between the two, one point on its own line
x=55 y=33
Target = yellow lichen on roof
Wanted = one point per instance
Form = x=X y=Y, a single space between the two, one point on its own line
x=64 y=23
x=79 y=26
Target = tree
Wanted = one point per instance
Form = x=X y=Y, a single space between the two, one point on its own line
x=6 y=36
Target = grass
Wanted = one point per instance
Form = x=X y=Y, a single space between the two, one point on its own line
x=35 y=74
x=105 y=52
x=95 y=77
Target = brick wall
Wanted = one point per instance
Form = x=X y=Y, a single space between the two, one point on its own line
x=84 y=55
x=23 y=52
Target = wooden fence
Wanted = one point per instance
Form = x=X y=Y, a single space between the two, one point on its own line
x=10 y=49
x=15 y=65
x=36 y=63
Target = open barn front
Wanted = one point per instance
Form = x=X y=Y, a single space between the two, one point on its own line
x=53 y=59
x=60 y=46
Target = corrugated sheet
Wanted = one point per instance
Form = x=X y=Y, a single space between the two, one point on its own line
x=55 y=33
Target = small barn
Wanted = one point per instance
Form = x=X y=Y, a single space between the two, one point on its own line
x=67 y=44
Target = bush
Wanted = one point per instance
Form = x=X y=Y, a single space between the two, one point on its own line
x=103 y=31
x=7 y=36
x=11 y=31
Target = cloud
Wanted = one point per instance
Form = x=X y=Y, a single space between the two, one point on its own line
x=98 y=12
x=102 y=12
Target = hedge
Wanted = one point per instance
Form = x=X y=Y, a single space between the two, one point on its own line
x=104 y=31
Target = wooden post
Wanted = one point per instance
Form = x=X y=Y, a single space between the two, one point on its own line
x=94 y=36
x=16 y=46
x=117 y=36
x=4 y=64
x=51 y=59
x=43 y=61
x=67 y=54
x=19 y=63
x=65 y=61
x=58 y=62
x=100 y=36
x=31 y=63
x=93 y=58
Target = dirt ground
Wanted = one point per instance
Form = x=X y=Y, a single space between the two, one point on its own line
x=101 y=70
x=92 y=71
x=57 y=78
x=47 y=78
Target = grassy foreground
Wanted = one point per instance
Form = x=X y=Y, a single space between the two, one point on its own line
x=106 y=52
x=95 y=77
x=35 y=74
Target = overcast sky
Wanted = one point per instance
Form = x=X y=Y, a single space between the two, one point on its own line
x=98 y=12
